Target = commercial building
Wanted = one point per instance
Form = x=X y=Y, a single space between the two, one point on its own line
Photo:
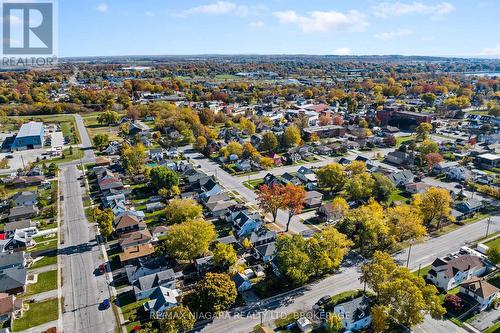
x=30 y=136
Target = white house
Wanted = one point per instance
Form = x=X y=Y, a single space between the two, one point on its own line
x=482 y=291
x=450 y=271
x=355 y=313
x=242 y=282
x=304 y=324
x=146 y=285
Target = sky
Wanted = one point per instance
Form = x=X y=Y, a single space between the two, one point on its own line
x=466 y=28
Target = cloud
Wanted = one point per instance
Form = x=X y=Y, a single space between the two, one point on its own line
x=393 y=34
x=490 y=51
x=224 y=7
x=103 y=8
x=342 y=51
x=149 y=13
x=257 y=24
x=393 y=9
x=324 y=21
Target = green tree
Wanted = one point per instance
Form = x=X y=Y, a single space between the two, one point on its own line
x=434 y=205
x=224 y=255
x=214 y=293
x=360 y=186
x=201 y=143
x=104 y=220
x=291 y=136
x=383 y=187
x=380 y=320
x=428 y=98
x=493 y=254
x=428 y=147
x=163 y=177
x=190 y=239
x=101 y=141
x=269 y=141
x=108 y=117
x=292 y=259
x=177 y=319
x=333 y=176
x=182 y=210
x=327 y=249
x=333 y=323
x=405 y=223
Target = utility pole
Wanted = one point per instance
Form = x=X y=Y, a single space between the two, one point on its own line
x=488 y=227
x=409 y=252
x=419 y=266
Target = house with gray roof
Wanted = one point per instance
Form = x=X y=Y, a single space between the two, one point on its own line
x=145 y=285
x=161 y=299
x=355 y=313
x=24 y=198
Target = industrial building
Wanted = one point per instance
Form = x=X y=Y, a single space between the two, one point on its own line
x=30 y=136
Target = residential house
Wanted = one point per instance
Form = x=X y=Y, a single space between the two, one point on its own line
x=128 y=223
x=265 y=252
x=242 y=282
x=156 y=154
x=483 y=292
x=401 y=178
x=145 y=266
x=488 y=161
x=208 y=187
x=25 y=198
x=308 y=178
x=458 y=173
x=12 y=260
x=22 y=213
x=292 y=157
x=204 y=264
x=154 y=206
x=134 y=238
x=160 y=231
x=244 y=222
x=304 y=325
x=25 y=181
x=355 y=313
x=414 y=188
x=398 y=157
x=443 y=167
x=313 y=199
x=146 y=285
x=288 y=178
x=136 y=252
x=161 y=299
x=243 y=165
x=326 y=212
x=262 y=236
x=278 y=161
x=22 y=225
x=469 y=206
x=13 y=280
x=10 y=307
x=450 y=271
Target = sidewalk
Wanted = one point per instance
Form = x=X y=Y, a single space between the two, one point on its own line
x=43 y=269
x=43 y=296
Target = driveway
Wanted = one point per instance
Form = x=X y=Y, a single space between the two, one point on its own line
x=486 y=319
x=431 y=325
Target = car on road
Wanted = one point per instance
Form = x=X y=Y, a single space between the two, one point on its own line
x=323 y=300
x=102 y=268
x=9 y=156
x=105 y=304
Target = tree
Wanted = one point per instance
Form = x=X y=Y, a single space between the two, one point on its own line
x=224 y=255
x=333 y=176
x=356 y=168
x=360 y=186
x=380 y=320
x=324 y=119
x=104 y=220
x=266 y=162
x=405 y=223
x=235 y=148
x=333 y=323
x=190 y=239
x=247 y=244
x=434 y=205
x=291 y=136
x=249 y=150
x=214 y=293
x=340 y=207
x=271 y=199
x=406 y=297
x=332 y=246
x=363 y=123
x=108 y=117
x=294 y=201
x=453 y=303
x=177 y=319
x=269 y=141
x=201 y=143
x=427 y=147
x=433 y=159
x=247 y=125
x=493 y=254
x=428 y=98
x=163 y=177
x=383 y=187
x=207 y=117
x=133 y=158
x=182 y=210
x=101 y=141
x=292 y=259
x=423 y=130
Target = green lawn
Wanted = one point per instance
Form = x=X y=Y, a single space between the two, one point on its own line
x=493 y=329
x=45 y=261
x=402 y=139
x=38 y=313
x=253 y=184
x=494 y=242
x=45 y=246
x=398 y=195
x=46 y=281
x=423 y=271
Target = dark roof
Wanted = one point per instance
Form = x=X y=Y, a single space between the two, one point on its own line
x=12 y=278
x=355 y=309
x=11 y=259
x=266 y=249
x=154 y=280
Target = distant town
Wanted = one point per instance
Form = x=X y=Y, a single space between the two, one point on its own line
x=251 y=194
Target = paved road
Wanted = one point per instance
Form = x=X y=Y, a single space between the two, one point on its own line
x=421 y=254
x=86 y=144
x=82 y=290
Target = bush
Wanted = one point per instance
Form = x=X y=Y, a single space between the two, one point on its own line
x=453 y=303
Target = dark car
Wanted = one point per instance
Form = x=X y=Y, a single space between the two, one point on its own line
x=323 y=300
x=105 y=304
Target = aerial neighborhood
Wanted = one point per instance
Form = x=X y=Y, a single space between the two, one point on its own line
x=249 y=195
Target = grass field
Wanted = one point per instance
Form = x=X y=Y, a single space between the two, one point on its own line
x=67 y=123
x=38 y=313
x=46 y=281
x=494 y=242
x=402 y=139
x=94 y=128
x=45 y=261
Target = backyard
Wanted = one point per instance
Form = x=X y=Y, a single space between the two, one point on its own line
x=38 y=313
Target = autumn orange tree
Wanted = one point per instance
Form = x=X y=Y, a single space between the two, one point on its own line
x=433 y=159
x=271 y=199
x=294 y=201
